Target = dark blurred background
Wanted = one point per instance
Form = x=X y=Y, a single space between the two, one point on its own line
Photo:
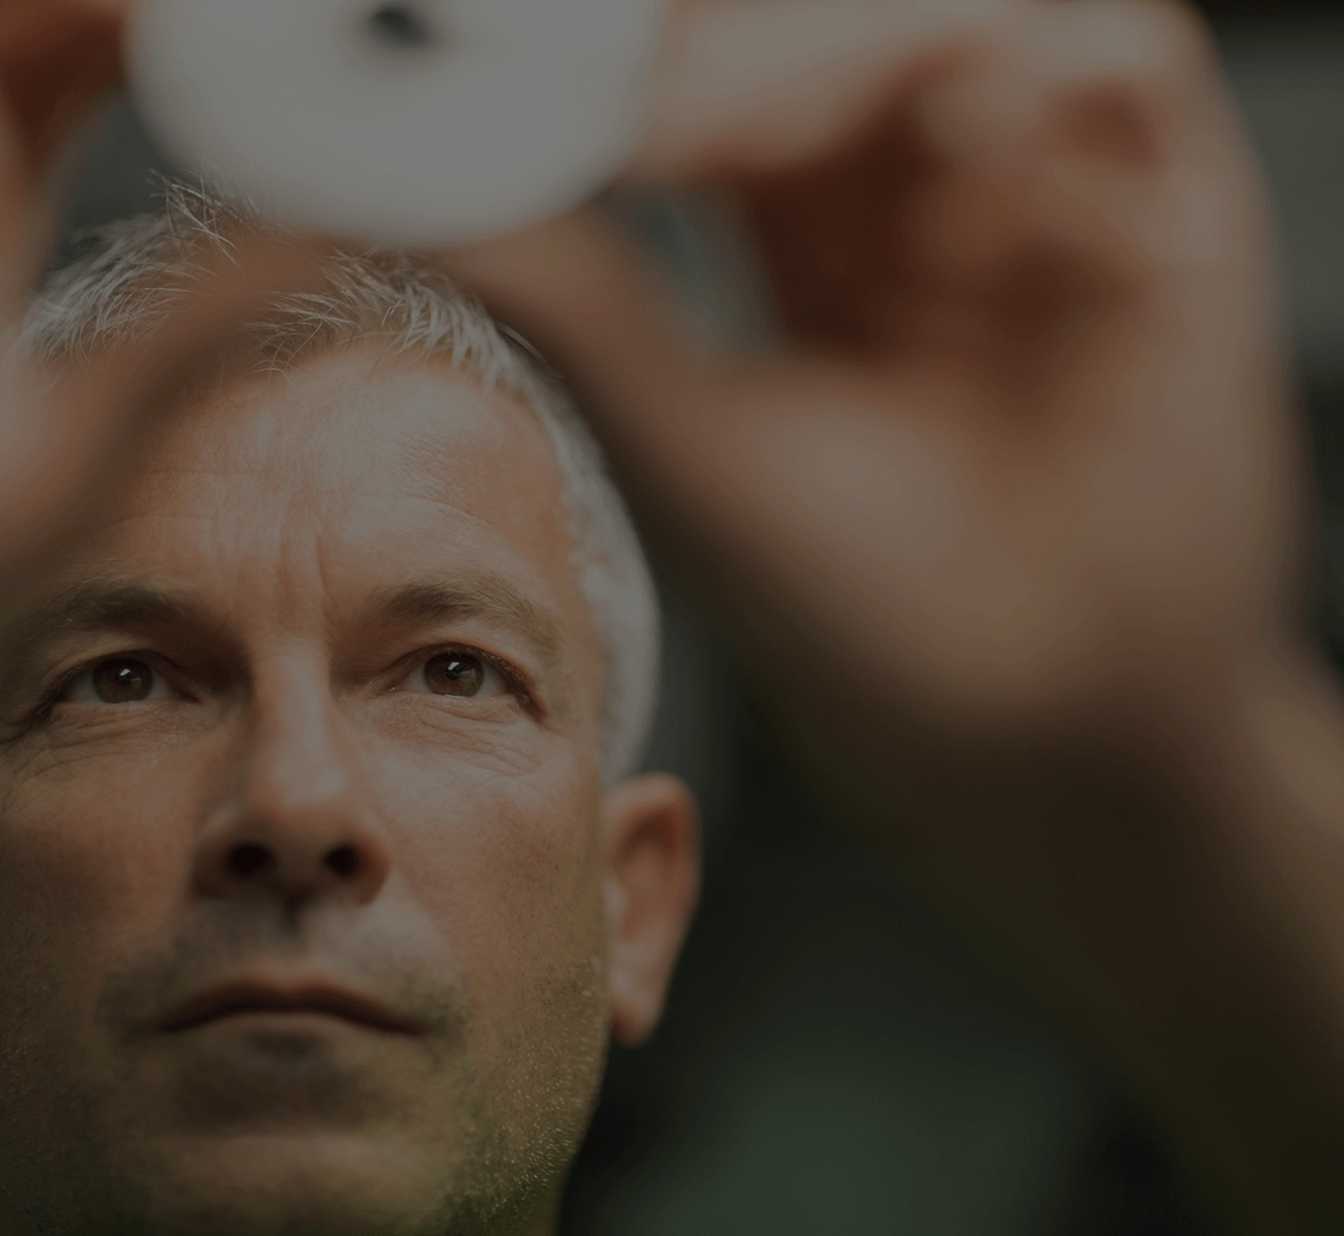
x=832 y=1060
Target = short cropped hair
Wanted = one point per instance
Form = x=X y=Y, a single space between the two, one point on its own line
x=130 y=277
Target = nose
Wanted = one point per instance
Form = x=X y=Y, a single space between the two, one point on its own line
x=299 y=824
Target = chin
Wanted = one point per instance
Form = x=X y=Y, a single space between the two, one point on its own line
x=281 y=1184
x=292 y=1184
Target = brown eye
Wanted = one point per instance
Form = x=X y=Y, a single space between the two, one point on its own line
x=454 y=674
x=118 y=680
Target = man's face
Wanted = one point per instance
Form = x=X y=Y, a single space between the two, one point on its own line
x=311 y=719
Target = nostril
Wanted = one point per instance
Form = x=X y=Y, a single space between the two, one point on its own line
x=246 y=860
x=343 y=860
x=402 y=26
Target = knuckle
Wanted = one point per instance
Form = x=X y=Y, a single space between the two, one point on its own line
x=1159 y=40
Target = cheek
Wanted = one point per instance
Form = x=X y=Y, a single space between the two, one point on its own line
x=507 y=866
x=84 y=829
x=92 y=860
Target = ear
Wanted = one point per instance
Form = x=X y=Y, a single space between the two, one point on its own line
x=651 y=880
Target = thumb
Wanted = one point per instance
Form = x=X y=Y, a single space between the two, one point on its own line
x=58 y=60
x=588 y=299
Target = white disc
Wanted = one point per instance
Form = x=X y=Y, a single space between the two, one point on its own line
x=411 y=122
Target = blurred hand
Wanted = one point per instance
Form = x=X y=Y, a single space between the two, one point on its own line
x=60 y=437
x=1010 y=526
x=1023 y=475
x=56 y=59
x=1027 y=463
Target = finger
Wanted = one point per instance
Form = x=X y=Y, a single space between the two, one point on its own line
x=1135 y=81
x=583 y=294
x=54 y=58
x=1112 y=122
x=16 y=217
x=58 y=61
x=65 y=433
x=748 y=88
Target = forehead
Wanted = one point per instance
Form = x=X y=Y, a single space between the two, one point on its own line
x=357 y=471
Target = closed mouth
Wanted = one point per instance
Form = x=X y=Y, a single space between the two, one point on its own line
x=254 y=998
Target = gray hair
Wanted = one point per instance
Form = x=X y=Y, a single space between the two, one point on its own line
x=132 y=278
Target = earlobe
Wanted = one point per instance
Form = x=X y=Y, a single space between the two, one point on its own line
x=651 y=877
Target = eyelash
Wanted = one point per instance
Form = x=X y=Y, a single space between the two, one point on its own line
x=518 y=683
x=53 y=694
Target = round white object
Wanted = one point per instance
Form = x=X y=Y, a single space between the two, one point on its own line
x=409 y=122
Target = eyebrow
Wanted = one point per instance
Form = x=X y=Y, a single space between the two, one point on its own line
x=89 y=605
x=93 y=604
x=476 y=596
x=96 y=605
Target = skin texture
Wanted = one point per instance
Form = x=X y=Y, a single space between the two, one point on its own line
x=450 y=856
x=1024 y=465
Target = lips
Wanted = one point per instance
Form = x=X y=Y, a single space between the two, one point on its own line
x=255 y=997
